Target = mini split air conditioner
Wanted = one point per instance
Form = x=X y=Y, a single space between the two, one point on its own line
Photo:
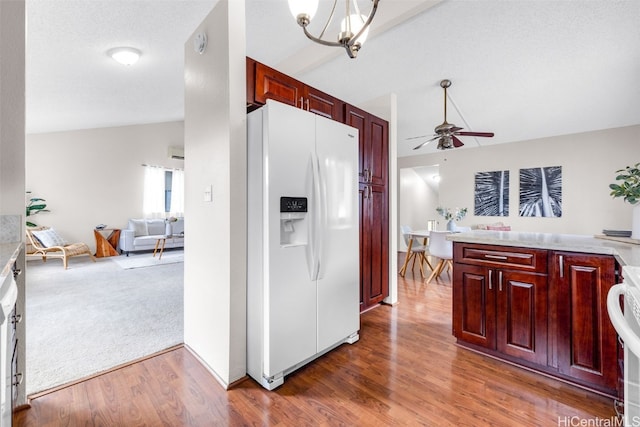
x=176 y=153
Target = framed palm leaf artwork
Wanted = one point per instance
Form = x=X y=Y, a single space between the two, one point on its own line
x=492 y=194
x=541 y=192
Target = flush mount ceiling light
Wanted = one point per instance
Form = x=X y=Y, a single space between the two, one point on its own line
x=353 y=28
x=124 y=55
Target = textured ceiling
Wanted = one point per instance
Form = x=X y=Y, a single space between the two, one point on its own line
x=523 y=69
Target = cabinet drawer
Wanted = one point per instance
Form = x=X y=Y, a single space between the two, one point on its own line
x=501 y=257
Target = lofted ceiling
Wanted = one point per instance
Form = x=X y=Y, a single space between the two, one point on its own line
x=524 y=69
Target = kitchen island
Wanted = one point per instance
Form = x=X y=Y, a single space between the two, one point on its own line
x=538 y=300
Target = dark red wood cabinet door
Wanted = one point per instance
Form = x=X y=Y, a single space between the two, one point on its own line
x=374 y=245
x=379 y=237
x=522 y=315
x=586 y=339
x=272 y=84
x=374 y=144
x=251 y=81
x=323 y=104
x=365 y=271
x=474 y=306
x=378 y=150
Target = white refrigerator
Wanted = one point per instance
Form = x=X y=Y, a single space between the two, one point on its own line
x=303 y=240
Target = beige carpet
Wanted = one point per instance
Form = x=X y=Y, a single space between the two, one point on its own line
x=146 y=259
x=95 y=316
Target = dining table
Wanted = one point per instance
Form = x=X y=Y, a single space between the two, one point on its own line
x=414 y=235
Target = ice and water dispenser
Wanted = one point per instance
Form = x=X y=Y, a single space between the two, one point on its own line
x=293 y=221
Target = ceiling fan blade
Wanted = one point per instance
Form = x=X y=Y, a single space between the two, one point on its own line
x=425 y=143
x=456 y=129
x=456 y=142
x=416 y=137
x=485 y=134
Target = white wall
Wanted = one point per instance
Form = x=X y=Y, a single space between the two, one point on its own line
x=12 y=107
x=589 y=161
x=12 y=128
x=417 y=203
x=95 y=176
x=215 y=150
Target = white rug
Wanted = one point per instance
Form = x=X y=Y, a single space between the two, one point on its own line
x=95 y=316
x=146 y=259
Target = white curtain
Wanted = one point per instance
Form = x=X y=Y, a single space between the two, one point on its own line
x=177 y=193
x=153 y=204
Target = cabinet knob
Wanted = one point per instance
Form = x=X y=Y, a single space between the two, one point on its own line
x=500 y=281
x=490 y=279
x=17 y=318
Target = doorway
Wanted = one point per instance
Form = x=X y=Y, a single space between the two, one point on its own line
x=418 y=198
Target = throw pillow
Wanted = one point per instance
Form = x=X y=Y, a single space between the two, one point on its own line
x=49 y=238
x=499 y=227
x=139 y=227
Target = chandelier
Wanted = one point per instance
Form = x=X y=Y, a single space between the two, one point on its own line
x=354 y=27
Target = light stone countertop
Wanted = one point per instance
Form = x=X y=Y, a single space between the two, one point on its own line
x=626 y=254
x=8 y=254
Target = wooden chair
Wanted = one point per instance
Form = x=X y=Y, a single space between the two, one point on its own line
x=65 y=252
x=416 y=251
x=441 y=248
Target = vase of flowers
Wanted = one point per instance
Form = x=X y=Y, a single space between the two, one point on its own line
x=628 y=187
x=451 y=216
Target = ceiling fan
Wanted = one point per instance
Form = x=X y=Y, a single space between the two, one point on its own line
x=447 y=133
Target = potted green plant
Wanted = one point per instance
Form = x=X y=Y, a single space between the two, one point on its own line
x=627 y=186
x=35 y=205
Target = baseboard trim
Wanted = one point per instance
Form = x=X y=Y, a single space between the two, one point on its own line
x=98 y=374
x=212 y=372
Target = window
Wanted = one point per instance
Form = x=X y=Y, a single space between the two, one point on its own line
x=163 y=192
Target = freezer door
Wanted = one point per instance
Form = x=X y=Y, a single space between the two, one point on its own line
x=338 y=282
x=290 y=293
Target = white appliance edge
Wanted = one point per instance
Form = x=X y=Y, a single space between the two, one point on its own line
x=303 y=267
x=627 y=326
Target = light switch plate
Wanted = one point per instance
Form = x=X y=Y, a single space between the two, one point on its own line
x=208 y=193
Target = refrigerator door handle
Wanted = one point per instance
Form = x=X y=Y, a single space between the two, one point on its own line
x=316 y=241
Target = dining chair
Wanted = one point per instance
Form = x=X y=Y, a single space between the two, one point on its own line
x=415 y=250
x=441 y=248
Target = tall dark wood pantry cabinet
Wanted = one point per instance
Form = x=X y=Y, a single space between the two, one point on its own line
x=374 y=204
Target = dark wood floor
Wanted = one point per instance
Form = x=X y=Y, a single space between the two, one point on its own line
x=405 y=370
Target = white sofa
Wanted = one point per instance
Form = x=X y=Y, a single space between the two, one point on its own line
x=142 y=234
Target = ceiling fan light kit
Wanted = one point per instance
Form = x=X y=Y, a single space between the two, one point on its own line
x=447 y=133
x=354 y=27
